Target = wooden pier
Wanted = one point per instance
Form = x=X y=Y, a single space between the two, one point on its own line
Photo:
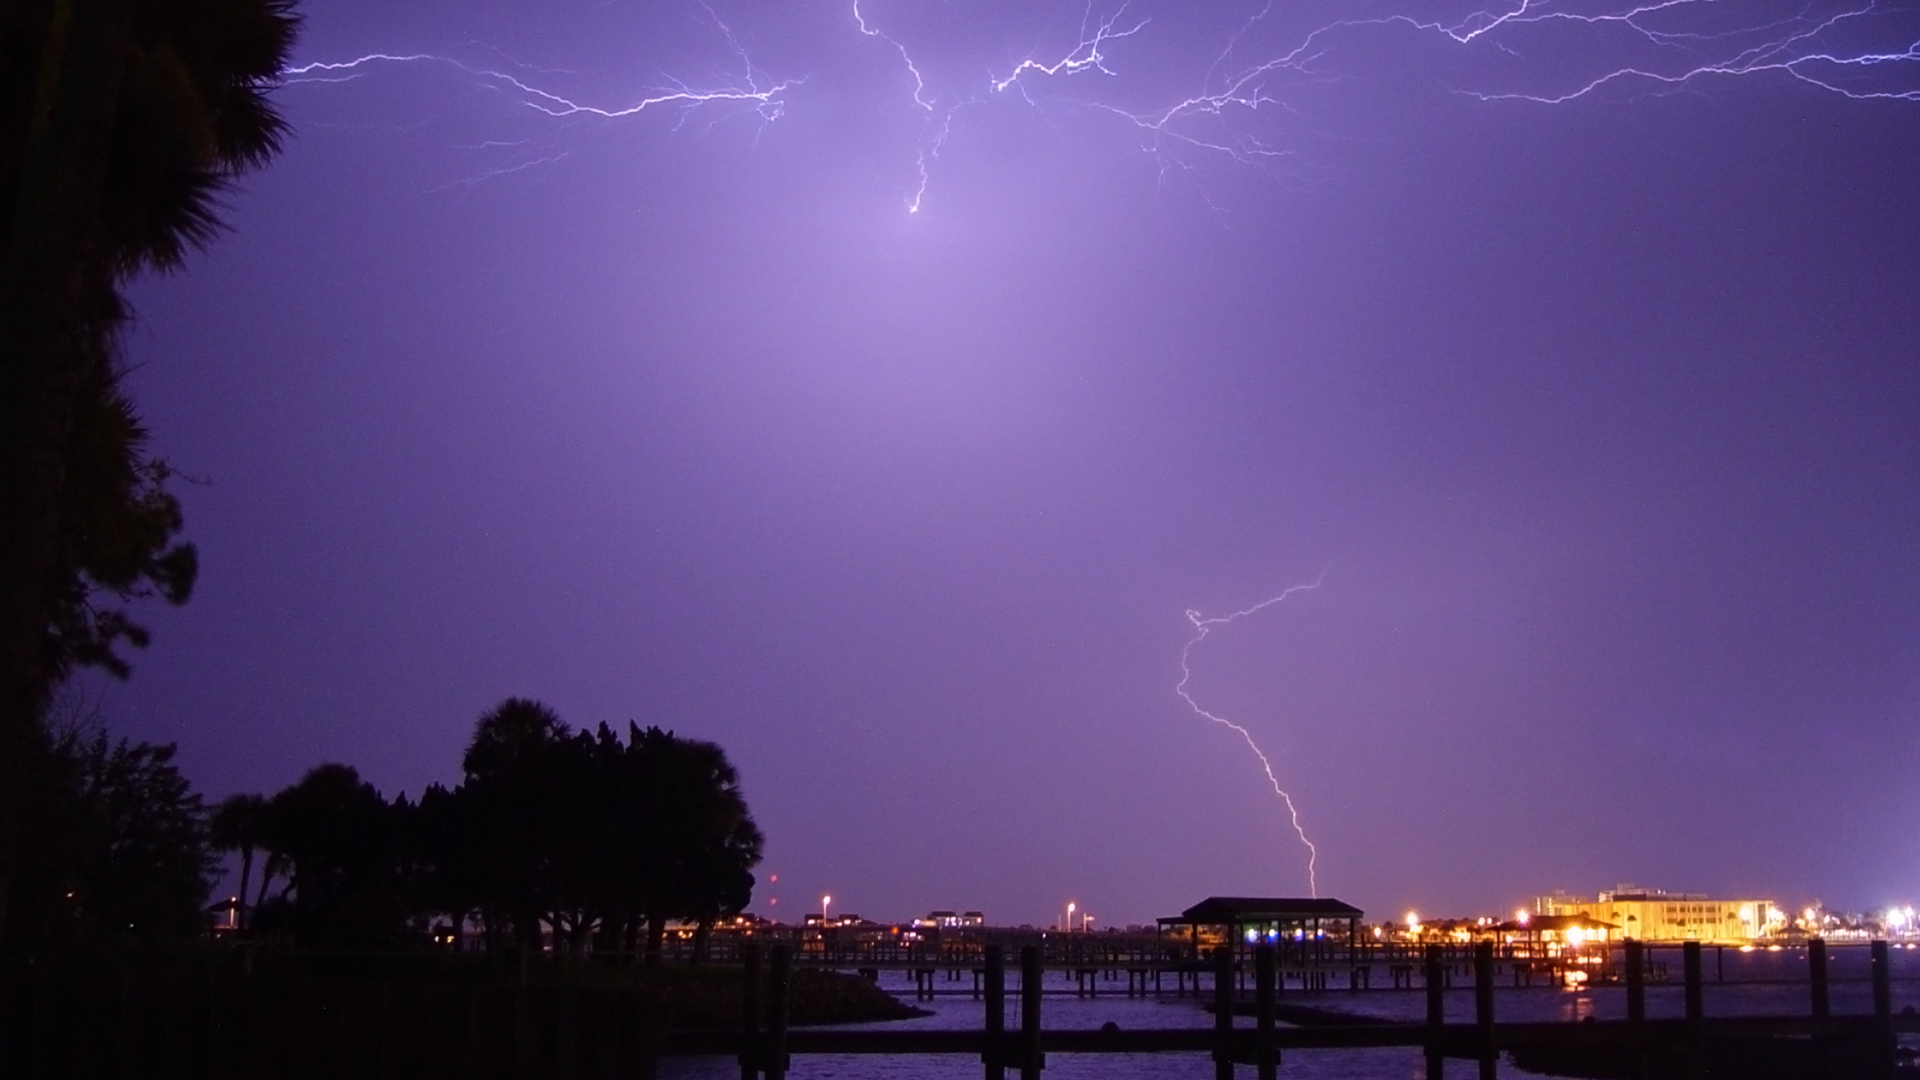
x=1816 y=1044
x=132 y=1021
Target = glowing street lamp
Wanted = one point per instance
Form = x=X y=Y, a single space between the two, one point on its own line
x=824 y=901
x=1069 y=926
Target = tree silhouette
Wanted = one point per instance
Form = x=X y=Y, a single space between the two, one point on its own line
x=687 y=840
x=585 y=833
x=239 y=824
x=117 y=535
x=120 y=122
x=157 y=864
x=338 y=843
x=121 y=850
x=514 y=808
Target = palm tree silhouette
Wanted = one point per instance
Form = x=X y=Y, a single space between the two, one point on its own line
x=238 y=824
x=120 y=123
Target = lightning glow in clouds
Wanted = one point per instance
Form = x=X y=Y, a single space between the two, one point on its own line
x=1202 y=626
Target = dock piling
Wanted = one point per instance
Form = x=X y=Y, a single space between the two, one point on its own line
x=1266 y=1056
x=1636 y=975
x=1886 y=1052
x=1817 y=976
x=1696 y=1009
x=1031 y=1060
x=1222 y=1013
x=1635 y=959
x=1436 y=1014
x=1690 y=965
x=774 y=1062
x=994 y=1054
x=750 y=1012
x=1483 y=975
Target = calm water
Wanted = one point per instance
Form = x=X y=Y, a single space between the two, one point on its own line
x=1749 y=990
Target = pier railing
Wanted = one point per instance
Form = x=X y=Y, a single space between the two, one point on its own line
x=70 y=1019
x=1811 y=1044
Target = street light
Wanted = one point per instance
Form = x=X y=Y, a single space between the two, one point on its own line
x=1069 y=926
x=824 y=901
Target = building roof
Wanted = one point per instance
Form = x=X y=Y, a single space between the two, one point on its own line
x=1242 y=909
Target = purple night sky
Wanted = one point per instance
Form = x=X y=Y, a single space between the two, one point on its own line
x=1600 y=417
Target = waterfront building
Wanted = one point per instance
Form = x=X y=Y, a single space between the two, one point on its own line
x=1655 y=915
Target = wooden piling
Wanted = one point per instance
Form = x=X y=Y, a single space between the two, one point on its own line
x=1483 y=975
x=1696 y=1009
x=1222 y=1014
x=1266 y=1055
x=1031 y=1060
x=749 y=1011
x=1436 y=1014
x=779 y=988
x=994 y=1054
x=1690 y=965
x=1817 y=977
x=1636 y=978
x=1885 y=1053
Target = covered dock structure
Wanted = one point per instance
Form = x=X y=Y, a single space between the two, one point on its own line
x=1307 y=932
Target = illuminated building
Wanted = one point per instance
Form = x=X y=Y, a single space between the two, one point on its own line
x=953 y=920
x=1658 y=916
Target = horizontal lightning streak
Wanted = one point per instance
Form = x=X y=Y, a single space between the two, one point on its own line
x=1793 y=45
x=1667 y=45
x=1202 y=626
x=766 y=100
x=1085 y=56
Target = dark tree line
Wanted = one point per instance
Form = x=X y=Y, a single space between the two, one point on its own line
x=581 y=840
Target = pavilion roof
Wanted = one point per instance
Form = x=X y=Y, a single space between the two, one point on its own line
x=1559 y=922
x=1219 y=910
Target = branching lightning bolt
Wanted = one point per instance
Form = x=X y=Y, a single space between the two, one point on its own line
x=1796 y=53
x=767 y=100
x=1797 y=44
x=1202 y=626
x=934 y=132
x=1251 y=104
x=919 y=83
x=750 y=88
x=1085 y=56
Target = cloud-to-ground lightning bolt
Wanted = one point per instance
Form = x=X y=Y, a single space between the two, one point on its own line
x=935 y=128
x=1202 y=626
